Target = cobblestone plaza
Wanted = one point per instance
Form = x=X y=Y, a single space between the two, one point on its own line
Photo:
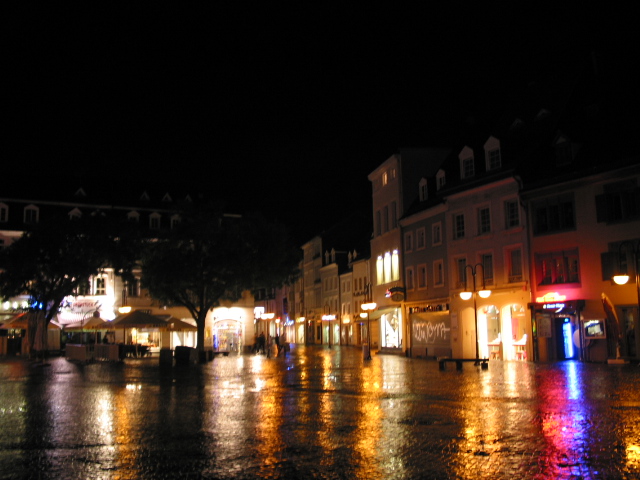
x=318 y=413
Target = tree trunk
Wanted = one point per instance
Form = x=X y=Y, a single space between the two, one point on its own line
x=200 y=322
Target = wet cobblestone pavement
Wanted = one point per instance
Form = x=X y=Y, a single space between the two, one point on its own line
x=319 y=413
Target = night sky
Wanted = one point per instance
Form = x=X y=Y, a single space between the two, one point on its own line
x=268 y=107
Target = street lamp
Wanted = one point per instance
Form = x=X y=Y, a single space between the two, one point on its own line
x=368 y=307
x=466 y=295
x=623 y=278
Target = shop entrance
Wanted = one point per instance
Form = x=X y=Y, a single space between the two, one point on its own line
x=565 y=349
x=227 y=336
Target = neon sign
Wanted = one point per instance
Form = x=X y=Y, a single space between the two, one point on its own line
x=551 y=297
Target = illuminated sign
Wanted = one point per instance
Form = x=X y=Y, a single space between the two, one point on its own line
x=551 y=297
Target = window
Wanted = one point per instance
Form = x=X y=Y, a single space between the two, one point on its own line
x=75 y=214
x=493 y=159
x=484 y=220
x=438 y=273
x=100 y=286
x=514 y=265
x=461 y=267
x=133 y=217
x=31 y=214
x=420 y=239
x=553 y=214
x=436 y=233
x=385 y=178
x=557 y=267
x=511 y=213
x=378 y=223
x=154 y=221
x=408 y=242
x=441 y=180
x=492 y=154
x=486 y=260
x=620 y=202
x=4 y=213
x=395 y=266
x=133 y=288
x=410 y=285
x=385 y=219
x=175 y=221
x=458 y=226
x=422 y=276
x=564 y=151
x=394 y=217
x=422 y=190
x=467 y=167
x=388 y=267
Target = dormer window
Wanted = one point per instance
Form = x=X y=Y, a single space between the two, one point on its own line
x=175 y=221
x=492 y=154
x=75 y=214
x=422 y=189
x=133 y=216
x=441 y=179
x=167 y=198
x=564 y=151
x=31 y=214
x=467 y=167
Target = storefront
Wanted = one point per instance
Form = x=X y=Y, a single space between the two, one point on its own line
x=496 y=326
x=558 y=330
x=430 y=329
x=229 y=329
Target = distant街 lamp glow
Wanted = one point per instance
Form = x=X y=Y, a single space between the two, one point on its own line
x=621 y=279
x=465 y=295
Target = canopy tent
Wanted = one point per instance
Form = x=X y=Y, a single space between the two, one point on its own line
x=21 y=322
x=174 y=324
x=94 y=323
x=138 y=319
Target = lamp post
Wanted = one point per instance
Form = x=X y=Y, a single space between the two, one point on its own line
x=623 y=278
x=368 y=307
x=466 y=295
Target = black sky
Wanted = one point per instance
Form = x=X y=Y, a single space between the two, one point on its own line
x=278 y=108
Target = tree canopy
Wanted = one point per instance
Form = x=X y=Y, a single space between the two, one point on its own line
x=212 y=257
x=52 y=259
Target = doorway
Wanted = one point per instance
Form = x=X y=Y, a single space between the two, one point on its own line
x=565 y=349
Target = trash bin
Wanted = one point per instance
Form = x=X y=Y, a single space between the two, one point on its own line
x=166 y=357
x=185 y=356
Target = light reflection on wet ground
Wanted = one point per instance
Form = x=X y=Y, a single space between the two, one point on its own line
x=319 y=413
